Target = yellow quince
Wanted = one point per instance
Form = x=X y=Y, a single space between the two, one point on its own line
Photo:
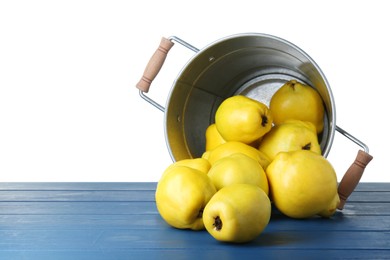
x=181 y=195
x=213 y=137
x=237 y=213
x=290 y=136
x=303 y=184
x=238 y=168
x=232 y=147
x=243 y=119
x=295 y=100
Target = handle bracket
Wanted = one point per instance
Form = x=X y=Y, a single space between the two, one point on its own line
x=354 y=173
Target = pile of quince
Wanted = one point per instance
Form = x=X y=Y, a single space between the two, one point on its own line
x=255 y=155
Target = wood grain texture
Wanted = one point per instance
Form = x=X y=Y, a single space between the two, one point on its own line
x=120 y=221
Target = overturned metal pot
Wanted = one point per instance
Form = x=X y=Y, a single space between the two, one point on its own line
x=254 y=65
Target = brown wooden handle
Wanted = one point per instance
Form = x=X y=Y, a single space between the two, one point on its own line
x=352 y=177
x=155 y=64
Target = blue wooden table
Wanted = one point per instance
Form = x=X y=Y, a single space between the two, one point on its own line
x=120 y=221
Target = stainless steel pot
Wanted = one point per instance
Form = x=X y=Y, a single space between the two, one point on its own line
x=254 y=65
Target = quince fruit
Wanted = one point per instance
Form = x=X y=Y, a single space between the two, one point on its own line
x=238 y=168
x=295 y=100
x=232 y=147
x=243 y=119
x=213 y=137
x=303 y=184
x=237 y=213
x=181 y=195
x=200 y=164
x=290 y=136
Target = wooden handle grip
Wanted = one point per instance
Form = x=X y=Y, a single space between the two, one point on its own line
x=352 y=177
x=154 y=65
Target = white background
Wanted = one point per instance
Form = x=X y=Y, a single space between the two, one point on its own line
x=69 y=109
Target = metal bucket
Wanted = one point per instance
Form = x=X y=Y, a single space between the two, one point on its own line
x=254 y=65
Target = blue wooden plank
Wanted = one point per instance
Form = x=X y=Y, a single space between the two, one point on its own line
x=48 y=239
x=339 y=222
x=155 y=239
x=363 y=186
x=146 y=222
x=77 y=208
x=78 y=186
x=81 y=222
x=367 y=208
x=84 y=254
x=145 y=207
x=153 y=234
x=135 y=195
x=369 y=196
x=372 y=186
x=95 y=221
x=261 y=253
x=154 y=221
x=299 y=239
x=77 y=195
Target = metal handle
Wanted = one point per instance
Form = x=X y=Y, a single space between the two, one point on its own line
x=154 y=66
x=354 y=173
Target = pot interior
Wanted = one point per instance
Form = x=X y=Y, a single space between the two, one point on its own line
x=254 y=65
